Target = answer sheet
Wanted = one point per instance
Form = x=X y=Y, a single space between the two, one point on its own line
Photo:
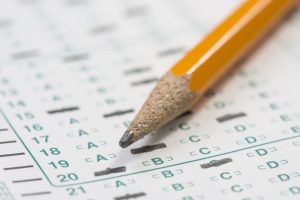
x=73 y=74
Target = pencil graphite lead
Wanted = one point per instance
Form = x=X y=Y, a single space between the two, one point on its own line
x=127 y=139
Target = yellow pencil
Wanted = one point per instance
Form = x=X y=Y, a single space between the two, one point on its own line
x=180 y=87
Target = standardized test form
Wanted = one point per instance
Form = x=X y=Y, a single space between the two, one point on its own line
x=73 y=74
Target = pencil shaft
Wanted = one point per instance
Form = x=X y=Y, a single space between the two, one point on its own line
x=202 y=66
x=231 y=41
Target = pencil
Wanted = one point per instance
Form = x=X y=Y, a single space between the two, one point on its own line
x=185 y=82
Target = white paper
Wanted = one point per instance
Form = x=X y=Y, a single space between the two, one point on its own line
x=73 y=74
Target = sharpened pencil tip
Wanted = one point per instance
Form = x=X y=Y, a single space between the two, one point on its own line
x=127 y=139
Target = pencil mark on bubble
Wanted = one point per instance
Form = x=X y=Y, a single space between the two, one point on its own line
x=25 y=54
x=230 y=117
x=75 y=57
x=118 y=113
x=136 y=11
x=62 y=110
x=216 y=163
x=103 y=29
x=143 y=82
x=171 y=51
x=137 y=70
x=148 y=148
x=130 y=196
x=110 y=171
